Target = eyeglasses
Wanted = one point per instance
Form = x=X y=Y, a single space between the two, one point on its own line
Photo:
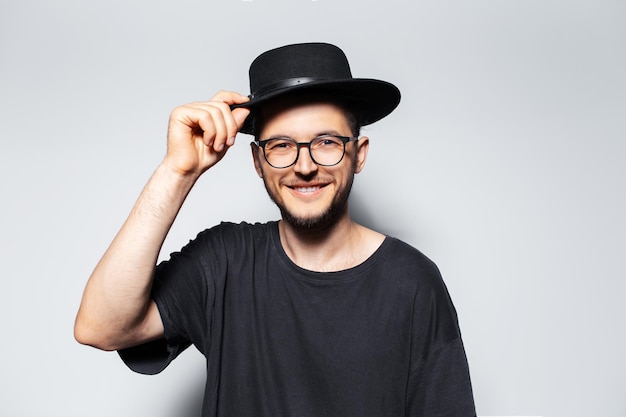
x=325 y=150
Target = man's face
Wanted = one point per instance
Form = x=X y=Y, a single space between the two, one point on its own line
x=310 y=196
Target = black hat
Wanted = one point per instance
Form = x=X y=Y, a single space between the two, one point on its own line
x=316 y=67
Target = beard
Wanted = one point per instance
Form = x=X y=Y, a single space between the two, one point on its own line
x=324 y=220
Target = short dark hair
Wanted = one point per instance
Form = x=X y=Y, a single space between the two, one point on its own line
x=345 y=104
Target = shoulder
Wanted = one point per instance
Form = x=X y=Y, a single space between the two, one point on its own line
x=218 y=248
x=410 y=269
x=228 y=232
x=223 y=240
x=400 y=256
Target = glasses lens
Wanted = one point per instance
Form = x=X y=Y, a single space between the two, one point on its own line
x=281 y=152
x=327 y=150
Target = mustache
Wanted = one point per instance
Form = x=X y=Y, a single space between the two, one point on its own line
x=314 y=179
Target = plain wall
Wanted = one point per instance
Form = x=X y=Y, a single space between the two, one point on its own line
x=504 y=163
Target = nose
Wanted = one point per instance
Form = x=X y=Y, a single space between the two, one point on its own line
x=304 y=164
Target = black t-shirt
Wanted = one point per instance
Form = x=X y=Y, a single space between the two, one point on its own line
x=380 y=339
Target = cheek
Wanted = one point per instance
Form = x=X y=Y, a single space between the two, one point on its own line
x=270 y=180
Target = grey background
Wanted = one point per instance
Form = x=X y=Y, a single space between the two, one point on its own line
x=504 y=163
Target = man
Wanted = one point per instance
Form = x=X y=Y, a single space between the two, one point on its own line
x=313 y=315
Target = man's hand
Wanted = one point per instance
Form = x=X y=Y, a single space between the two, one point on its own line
x=199 y=134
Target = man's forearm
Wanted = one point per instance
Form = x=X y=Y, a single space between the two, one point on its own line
x=115 y=310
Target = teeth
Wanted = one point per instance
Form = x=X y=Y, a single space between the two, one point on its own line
x=306 y=189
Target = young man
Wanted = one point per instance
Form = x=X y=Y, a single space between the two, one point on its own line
x=313 y=315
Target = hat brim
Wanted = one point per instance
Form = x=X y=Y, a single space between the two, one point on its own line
x=370 y=99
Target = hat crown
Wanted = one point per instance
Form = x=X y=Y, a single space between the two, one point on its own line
x=293 y=64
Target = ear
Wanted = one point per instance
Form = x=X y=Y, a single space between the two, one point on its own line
x=256 y=152
x=363 y=145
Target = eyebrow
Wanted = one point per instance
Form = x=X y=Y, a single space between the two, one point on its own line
x=323 y=133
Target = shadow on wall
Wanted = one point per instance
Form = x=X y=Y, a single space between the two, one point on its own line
x=188 y=398
x=362 y=212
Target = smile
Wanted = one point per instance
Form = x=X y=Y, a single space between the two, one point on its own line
x=307 y=189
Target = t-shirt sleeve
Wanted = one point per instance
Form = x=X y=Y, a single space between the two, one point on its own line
x=441 y=387
x=439 y=382
x=183 y=290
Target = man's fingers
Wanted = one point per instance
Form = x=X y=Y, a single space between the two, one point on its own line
x=226 y=125
x=230 y=97
x=231 y=120
x=238 y=115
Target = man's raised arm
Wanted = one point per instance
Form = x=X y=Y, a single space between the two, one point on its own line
x=116 y=310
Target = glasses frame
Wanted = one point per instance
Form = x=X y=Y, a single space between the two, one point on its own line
x=344 y=139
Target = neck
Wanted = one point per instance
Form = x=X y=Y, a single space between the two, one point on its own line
x=340 y=245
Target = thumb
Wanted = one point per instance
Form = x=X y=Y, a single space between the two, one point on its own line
x=240 y=114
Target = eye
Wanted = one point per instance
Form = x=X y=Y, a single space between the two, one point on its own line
x=327 y=142
x=281 y=144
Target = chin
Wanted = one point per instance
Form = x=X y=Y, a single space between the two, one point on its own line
x=325 y=220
